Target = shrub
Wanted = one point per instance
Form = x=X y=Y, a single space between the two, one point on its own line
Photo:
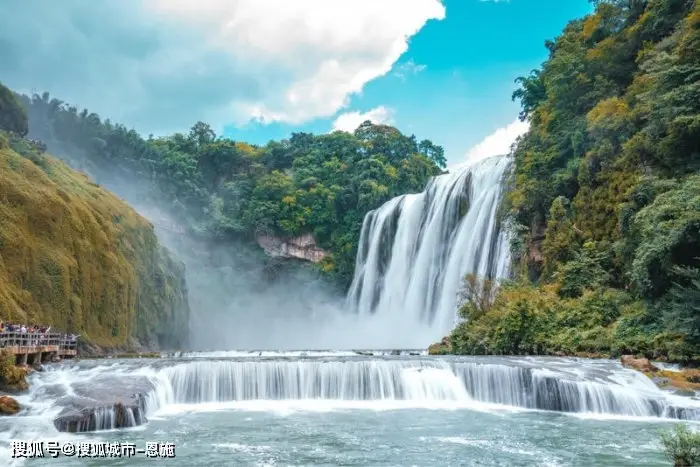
x=681 y=446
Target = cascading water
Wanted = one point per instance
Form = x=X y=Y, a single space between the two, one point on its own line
x=600 y=388
x=415 y=249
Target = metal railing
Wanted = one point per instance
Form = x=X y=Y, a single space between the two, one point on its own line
x=25 y=340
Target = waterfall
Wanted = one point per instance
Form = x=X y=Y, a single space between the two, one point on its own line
x=420 y=381
x=82 y=397
x=415 y=249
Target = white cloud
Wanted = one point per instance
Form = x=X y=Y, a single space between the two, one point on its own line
x=324 y=50
x=407 y=68
x=499 y=142
x=162 y=64
x=349 y=121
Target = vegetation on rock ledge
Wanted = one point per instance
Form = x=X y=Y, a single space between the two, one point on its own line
x=12 y=378
x=606 y=193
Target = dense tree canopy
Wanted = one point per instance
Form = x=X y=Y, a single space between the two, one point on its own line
x=606 y=189
x=225 y=189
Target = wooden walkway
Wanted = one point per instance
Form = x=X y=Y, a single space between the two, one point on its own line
x=31 y=348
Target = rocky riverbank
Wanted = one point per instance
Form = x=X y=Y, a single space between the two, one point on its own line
x=685 y=381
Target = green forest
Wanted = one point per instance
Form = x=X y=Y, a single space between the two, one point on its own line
x=604 y=194
x=230 y=191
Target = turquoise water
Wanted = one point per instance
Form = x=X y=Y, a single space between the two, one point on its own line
x=281 y=436
x=367 y=411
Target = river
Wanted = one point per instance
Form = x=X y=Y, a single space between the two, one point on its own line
x=370 y=409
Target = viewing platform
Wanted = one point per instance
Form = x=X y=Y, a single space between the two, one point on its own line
x=32 y=348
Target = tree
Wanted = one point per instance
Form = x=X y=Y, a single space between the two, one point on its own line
x=433 y=152
x=681 y=446
x=12 y=116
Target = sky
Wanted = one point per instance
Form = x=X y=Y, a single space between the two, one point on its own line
x=257 y=70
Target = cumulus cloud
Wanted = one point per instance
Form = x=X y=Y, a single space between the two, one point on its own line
x=349 y=121
x=499 y=142
x=160 y=65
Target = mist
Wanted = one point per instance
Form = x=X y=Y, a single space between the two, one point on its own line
x=241 y=299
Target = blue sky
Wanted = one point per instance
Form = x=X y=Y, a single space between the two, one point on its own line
x=260 y=69
x=470 y=60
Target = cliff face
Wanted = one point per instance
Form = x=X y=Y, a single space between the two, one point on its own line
x=302 y=247
x=74 y=256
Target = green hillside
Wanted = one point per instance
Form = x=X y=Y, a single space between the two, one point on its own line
x=74 y=256
x=605 y=193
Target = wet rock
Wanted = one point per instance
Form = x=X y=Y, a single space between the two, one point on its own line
x=660 y=381
x=104 y=403
x=102 y=417
x=684 y=392
x=639 y=364
x=8 y=406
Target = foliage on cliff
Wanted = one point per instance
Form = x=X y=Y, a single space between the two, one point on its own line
x=12 y=378
x=606 y=191
x=74 y=256
x=232 y=191
x=12 y=117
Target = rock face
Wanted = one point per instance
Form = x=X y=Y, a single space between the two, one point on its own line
x=8 y=406
x=75 y=256
x=535 y=248
x=639 y=364
x=302 y=247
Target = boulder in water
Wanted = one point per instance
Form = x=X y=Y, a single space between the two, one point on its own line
x=101 y=417
x=105 y=403
x=639 y=364
x=8 y=406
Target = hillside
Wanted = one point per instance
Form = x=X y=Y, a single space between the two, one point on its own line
x=74 y=256
x=605 y=194
x=232 y=192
